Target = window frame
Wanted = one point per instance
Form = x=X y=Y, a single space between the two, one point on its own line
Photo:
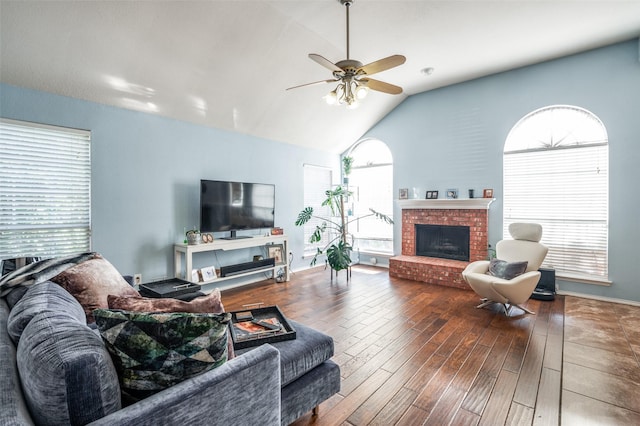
x=361 y=207
x=574 y=185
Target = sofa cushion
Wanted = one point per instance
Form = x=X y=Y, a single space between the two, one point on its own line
x=309 y=349
x=91 y=282
x=67 y=374
x=14 y=295
x=43 y=297
x=154 y=351
x=507 y=270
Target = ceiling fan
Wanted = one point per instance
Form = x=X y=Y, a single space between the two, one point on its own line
x=353 y=77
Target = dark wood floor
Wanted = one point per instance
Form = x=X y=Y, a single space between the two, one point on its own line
x=414 y=353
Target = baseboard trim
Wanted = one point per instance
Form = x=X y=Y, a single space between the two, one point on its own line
x=600 y=298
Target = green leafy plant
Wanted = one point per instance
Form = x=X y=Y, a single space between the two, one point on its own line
x=347 y=162
x=338 y=248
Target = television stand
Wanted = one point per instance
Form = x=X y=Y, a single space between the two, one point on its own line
x=187 y=251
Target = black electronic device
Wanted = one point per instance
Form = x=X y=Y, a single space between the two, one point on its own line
x=266 y=325
x=173 y=287
x=546 y=288
x=240 y=268
x=235 y=206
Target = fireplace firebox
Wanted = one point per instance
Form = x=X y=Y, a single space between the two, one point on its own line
x=442 y=241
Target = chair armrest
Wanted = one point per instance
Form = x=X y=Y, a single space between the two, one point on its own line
x=245 y=390
x=477 y=267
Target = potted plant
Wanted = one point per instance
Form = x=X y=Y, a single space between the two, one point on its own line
x=347 y=162
x=338 y=248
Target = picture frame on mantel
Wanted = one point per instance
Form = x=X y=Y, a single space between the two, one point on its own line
x=404 y=194
x=432 y=195
x=487 y=193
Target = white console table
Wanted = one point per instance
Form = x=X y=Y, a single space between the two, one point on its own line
x=187 y=251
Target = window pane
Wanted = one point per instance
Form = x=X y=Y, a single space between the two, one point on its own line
x=371 y=180
x=317 y=180
x=45 y=190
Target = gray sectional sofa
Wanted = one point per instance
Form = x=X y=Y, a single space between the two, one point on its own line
x=56 y=370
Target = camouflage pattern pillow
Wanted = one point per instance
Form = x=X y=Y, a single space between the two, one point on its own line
x=154 y=351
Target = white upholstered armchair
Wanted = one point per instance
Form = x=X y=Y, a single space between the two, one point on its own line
x=510 y=278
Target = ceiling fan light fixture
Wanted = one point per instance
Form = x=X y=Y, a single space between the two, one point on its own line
x=353 y=77
x=331 y=98
x=361 y=91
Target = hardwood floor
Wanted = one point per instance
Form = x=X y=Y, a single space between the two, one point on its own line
x=413 y=353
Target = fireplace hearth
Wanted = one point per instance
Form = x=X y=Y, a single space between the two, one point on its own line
x=442 y=241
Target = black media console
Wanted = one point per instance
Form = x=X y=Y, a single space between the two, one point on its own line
x=240 y=268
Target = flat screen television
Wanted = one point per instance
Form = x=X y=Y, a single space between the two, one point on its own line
x=235 y=206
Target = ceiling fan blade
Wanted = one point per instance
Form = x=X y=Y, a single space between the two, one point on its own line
x=383 y=64
x=312 y=84
x=325 y=62
x=381 y=86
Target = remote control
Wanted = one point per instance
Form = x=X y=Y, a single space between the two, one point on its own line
x=266 y=325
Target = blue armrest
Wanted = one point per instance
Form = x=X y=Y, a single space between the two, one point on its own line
x=243 y=391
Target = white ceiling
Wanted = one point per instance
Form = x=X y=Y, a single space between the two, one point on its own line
x=226 y=64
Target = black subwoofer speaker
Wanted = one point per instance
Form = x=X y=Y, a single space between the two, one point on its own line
x=546 y=288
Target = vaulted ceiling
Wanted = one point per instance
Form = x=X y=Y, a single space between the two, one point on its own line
x=227 y=64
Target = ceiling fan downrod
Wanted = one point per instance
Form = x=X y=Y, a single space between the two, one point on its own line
x=347 y=4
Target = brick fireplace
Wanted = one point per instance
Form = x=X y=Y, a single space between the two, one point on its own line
x=472 y=213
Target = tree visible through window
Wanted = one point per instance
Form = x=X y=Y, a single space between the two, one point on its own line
x=556 y=162
x=371 y=181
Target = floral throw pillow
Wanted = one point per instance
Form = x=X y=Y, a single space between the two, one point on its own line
x=154 y=351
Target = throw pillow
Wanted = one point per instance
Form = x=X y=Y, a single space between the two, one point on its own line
x=91 y=282
x=211 y=303
x=154 y=351
x=507 y=270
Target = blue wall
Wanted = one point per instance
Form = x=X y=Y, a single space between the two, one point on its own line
x=454 y=137
x=146 y=168
x=146 y=173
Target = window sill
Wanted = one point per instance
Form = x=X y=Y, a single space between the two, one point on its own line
x=583 y=279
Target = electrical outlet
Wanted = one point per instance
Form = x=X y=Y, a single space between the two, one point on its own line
x=137 y=279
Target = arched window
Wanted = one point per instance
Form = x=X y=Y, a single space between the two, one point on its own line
x=371 y=180
x=556 y=163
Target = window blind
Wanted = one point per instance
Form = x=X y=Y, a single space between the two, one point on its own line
x=45 y=190
x=565 y=189
x=317 y=180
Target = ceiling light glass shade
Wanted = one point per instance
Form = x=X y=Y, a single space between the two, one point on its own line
x=348 y=92
x=361 y=91
x=332 y=97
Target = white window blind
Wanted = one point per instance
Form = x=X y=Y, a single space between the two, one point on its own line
x=45 y=190
x=317 y=180
x=556 y=174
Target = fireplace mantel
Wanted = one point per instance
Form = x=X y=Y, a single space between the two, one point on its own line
x=448 y=204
